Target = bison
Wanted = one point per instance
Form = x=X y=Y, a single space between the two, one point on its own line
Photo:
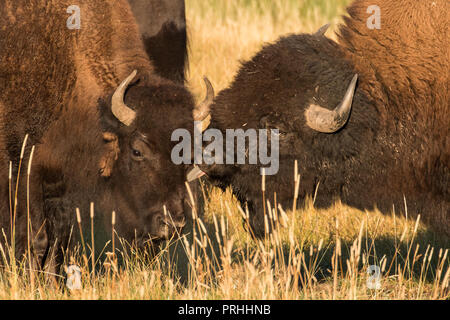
x=100 y=119
x=367 y=119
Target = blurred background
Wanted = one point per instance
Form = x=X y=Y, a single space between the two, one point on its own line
x=224 y=32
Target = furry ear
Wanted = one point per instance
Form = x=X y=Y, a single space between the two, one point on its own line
x=110 y=126
x=110 y=154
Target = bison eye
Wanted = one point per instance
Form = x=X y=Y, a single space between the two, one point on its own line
x=137 y=154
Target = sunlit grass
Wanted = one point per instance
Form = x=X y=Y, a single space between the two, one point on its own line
x=311 y=254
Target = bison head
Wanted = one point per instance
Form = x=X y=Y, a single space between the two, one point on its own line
x=143 y=185
x=304 y=87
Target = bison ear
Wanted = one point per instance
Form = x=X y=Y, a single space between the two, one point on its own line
x=110 y=125
x=108 y=121
x=110 y=154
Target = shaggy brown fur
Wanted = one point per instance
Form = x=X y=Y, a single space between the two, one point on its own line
x=51 y=79
x=404 y=67
x=395 y=147
x=406 y=60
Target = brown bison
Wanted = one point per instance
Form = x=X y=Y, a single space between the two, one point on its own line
x=101 y=130
x=367 y=119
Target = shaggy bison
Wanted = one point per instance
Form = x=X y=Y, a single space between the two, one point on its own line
x=101 y=120
x=368 y=119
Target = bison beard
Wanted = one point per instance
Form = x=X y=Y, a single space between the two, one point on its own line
x=394 y=149
x=101 y=134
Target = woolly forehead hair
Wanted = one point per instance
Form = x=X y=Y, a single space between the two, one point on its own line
x=164 y=106
x=291 y=72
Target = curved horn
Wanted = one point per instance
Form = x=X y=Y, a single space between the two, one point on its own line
x=120 y=110
x=329 y=121
x=201 y=112
x=322 y=30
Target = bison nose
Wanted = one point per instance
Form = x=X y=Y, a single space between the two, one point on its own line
x=175 y=212
x=166 y=225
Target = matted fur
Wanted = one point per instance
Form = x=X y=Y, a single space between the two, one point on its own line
x=56 y=85
x=395 y=148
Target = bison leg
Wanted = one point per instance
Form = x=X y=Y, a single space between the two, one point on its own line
x=257 y=222
x=59 y=221
x=40 y=247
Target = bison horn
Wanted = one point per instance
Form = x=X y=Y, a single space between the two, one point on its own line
x=120 y=110
x=329 y=121
x=201 y=112
x=322 y=30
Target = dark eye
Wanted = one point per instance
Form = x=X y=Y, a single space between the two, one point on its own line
x=137 y=154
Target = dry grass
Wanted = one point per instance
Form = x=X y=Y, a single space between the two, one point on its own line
x=313 y=254
x=223 y=33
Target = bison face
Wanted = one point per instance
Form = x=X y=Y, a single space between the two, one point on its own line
x=142 y=184
x=304 y=87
